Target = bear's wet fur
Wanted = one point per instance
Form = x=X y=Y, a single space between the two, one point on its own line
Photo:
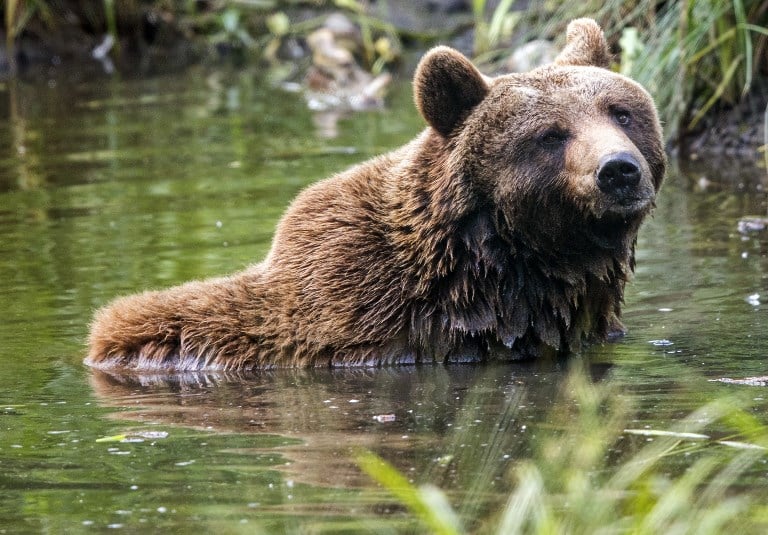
x=505 y=230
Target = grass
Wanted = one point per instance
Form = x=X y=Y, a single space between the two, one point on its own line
x=710 y=51
x=493 y=28
x=679 y=480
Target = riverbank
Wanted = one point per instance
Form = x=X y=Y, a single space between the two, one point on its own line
x=738 y=132
x=83 y=42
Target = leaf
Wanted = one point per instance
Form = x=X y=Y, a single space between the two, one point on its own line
x=113 y=438
x=662 y=433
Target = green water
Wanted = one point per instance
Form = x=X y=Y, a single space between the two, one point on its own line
x=115 y=186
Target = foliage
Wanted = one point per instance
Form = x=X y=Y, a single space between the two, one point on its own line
x=111 y=16
x=706 y=49
x=232 y=30
x=381 y=43
x=492 y=33
x=575 y=484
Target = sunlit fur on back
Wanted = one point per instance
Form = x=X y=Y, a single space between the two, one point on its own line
x=505 y=230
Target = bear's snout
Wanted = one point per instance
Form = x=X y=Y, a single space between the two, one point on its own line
x=618 y=174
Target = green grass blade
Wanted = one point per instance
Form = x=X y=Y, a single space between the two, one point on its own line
x=719 y=90
x=741 y=21
x=428 y=504
x=500 y=14
x=526 y=504
x=675 y=501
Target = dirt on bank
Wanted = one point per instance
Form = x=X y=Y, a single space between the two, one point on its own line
x=737 y=132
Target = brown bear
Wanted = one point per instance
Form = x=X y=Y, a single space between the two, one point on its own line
x=505 y=230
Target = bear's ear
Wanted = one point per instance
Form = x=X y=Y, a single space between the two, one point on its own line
x=446 y=87
x=585 y=45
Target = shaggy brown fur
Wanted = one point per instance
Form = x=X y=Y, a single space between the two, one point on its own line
x=505 y=230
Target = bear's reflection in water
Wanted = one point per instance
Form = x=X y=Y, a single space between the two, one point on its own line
x=458 y=426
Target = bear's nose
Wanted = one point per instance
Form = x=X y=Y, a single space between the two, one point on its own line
x=617 y=171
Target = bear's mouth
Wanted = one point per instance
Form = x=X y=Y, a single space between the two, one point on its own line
x=628 y=202
x=612 y=229
x=629 y=206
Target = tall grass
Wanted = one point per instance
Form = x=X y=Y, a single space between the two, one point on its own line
x=493 y=27
x=703 y=55
x=591 y=474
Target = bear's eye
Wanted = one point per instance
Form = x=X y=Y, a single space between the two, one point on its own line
x=553 y=139
x=622 y=117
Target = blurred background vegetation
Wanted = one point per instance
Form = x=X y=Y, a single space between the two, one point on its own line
x=699 y=58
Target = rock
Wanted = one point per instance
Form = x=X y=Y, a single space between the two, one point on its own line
x=752 y=224
x=335 y=80
x=531 y=55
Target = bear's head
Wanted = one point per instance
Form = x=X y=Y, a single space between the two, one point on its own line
x=568 y=155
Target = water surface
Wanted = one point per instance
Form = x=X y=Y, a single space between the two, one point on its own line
x=115 y=186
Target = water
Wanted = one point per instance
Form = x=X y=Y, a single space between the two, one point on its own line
x=115 y=186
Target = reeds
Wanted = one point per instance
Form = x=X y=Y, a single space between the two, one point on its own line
x=703 y=55
x=493 y=29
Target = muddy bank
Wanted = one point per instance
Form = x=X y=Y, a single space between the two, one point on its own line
x=737 y=132
x=74 y=41
x=149 y=38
